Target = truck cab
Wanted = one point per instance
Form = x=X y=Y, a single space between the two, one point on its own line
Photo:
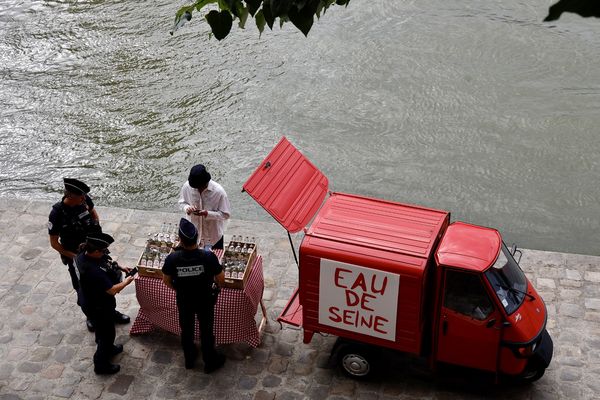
x=488 y=314
x=383 y=275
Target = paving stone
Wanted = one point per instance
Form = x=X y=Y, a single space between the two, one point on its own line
x=64 y=391
x=197 y=383
x=571 y=310
x=155 y=370
x=53 y=371
x=247 y=382
x=264 y=395
x=271 y=381
x=16 y=354
x=10 y=396
x=6 y=370
x=569 y=294
x=162 y=357
x=571 y=283
x=30 y=367
x=573 y=274
x=252 y=368
x=317 y=392
x=166 y=392
x=592 y=276
x=121 y=384
x=64 y=354
x=344 y=387
x=20 y=384
x=260 y=355
x=570 y=374
x=278 y=365
x=593 y=304
x=546 y=283
x=289 y=395
x=6 y=337
x=284 y=349
x=50 y=339
x=43 y=386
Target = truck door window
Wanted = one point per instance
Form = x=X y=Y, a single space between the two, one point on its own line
x=465 y=294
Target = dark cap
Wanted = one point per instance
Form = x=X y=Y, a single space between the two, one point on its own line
x=76 y=186
x=199 y=176
x=187 y=231
x=99 y=240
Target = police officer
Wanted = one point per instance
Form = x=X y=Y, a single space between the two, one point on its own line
x=101 y=279
x=69 y=222
x=192 y=272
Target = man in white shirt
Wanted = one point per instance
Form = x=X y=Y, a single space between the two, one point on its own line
x=206 y=205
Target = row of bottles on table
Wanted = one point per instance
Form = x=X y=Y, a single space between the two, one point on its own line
x=154 y=257
x=242 y=246
x=167 y=236
x=234 y=268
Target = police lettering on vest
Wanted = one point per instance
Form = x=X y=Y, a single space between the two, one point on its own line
x=192 y=270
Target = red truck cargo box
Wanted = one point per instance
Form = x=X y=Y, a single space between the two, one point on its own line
x=363 y=270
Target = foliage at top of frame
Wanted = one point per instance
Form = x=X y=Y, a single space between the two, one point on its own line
x=300 y=13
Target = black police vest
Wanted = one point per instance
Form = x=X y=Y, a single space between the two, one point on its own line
x=77 y=222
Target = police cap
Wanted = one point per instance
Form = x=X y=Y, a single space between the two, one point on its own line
x=76 y=186
x=187 y=230
x=99 y=240
x=198 y=177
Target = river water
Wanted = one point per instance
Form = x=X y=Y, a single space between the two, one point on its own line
x=470 y=106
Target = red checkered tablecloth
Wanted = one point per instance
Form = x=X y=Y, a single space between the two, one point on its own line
x=235 y=310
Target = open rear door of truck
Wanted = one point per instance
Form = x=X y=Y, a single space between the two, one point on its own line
x=290 y=188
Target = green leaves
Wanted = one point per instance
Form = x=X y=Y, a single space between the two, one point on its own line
x=279 y=7
x=303 y=18
x=253 y=6
x=259 y=17
x=300 y=13
x=220 y=22
x=585 y=8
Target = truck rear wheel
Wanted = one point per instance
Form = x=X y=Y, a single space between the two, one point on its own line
x=356 y=361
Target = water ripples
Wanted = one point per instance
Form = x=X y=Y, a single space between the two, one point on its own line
x=477 y=108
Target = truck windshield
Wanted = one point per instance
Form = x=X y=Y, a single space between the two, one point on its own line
x=507 y=280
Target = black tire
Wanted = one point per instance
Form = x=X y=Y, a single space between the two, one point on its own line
x=534 y=371
x=356 y=361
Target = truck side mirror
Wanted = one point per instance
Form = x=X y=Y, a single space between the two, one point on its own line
x=491 y=323
x=514 y=251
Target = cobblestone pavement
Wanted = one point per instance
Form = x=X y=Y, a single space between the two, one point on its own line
x=46 y=351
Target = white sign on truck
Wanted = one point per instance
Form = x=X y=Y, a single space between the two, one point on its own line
x=358 y=299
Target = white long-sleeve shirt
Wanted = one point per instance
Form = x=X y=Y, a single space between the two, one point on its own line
x=214 y=200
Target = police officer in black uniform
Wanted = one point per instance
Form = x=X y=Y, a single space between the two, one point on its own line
x=69 y=222
x=192 y=272
x=101 y=279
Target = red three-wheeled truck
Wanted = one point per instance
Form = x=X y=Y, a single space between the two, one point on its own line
x=385 y=275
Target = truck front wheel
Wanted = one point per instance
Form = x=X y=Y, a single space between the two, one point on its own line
x=356 y=361
x=534 y=371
